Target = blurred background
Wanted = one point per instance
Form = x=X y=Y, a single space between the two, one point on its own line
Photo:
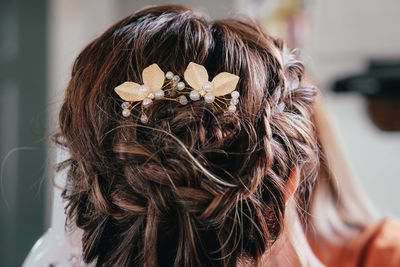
x=350 y=48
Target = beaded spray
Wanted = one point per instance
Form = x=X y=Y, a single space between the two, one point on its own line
x=159 y=86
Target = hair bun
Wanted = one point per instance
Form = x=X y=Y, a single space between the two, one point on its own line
x=192 y=187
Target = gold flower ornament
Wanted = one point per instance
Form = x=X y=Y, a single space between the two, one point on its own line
x=155 y=87
x=224 y=83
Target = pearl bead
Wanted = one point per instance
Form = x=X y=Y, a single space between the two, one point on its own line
x=281 y=107
x=126 y=112
x=207 y=86
x=194 y=95
x=151 y=96
x=209 y=98
x=181 y=85
x=232 y=108
x=234 y=101
x=235 y=94
x=125 y=105
x=176 y=78
x=143 y=89
x=147 y=102
x=203 y=92
x=159 y=94
x=169 y=75
x=144 y=118
x=183 y=100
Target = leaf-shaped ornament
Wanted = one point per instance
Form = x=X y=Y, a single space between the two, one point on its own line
x=153 y=77
x=224 y=83
x=196 y=75
x=129 y=91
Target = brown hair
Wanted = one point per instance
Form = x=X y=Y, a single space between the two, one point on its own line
x=192 y=187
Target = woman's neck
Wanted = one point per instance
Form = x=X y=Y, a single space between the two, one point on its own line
x=292 y=247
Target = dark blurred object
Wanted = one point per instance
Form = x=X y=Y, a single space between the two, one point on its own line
x=23 y=127
x=380 y=84
x=385 y=113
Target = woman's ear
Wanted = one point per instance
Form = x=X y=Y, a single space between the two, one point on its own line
x=292 y=183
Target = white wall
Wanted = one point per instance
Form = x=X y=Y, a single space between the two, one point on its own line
x=345 y=35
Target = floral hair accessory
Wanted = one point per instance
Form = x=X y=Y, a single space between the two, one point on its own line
x=155 y=86
x=222 y=84
x=153 y=80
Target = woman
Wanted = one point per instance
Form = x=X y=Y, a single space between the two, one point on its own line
x=190 y=176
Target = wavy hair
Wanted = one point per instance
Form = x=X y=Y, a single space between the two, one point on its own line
x=192 y=187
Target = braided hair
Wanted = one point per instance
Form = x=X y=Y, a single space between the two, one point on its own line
x=194 y=186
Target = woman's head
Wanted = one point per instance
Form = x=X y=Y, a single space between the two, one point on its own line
x=193 y=186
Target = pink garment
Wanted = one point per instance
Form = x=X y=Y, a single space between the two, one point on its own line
x=377 y=246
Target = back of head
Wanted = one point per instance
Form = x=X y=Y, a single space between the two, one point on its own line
x=194 y=186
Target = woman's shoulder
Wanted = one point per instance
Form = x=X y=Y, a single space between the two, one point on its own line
x=380 y=244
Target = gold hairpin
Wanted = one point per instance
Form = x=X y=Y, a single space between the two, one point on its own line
x=155 y=87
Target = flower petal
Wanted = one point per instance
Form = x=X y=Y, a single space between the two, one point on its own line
x=129 y=91
x=153 y=77
x=224 y=83
x=195 y=75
